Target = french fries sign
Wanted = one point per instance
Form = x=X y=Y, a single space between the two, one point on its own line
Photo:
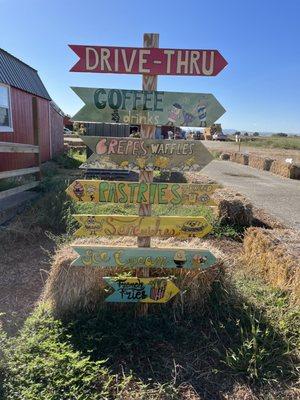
x=140 y=290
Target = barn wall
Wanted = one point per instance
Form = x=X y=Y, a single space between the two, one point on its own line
x=23 y=130
x=57 y=129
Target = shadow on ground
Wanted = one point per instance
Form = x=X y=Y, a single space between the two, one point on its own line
x=228 y=343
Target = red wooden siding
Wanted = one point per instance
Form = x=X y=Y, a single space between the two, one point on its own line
x=23 y=131
x=57 y=129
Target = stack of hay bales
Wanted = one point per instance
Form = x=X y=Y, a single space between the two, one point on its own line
x=225 y=156
x=286 y=169
x=274 y=255
x=233 y=208
x=71 y=289
x=260 y=162
x=214 y=128
x=207 y=135
x=240 y=158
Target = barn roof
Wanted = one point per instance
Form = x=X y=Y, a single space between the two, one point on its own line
x=15 y=72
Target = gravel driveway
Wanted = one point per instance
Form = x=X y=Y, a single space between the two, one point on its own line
x=280 y=197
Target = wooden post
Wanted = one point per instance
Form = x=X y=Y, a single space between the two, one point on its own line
x=36 y=136
x=147 y=131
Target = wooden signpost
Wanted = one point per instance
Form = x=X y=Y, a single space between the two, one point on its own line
x=150 y=107
x=144 y=226
x=149 y=82
x=141 y=290
x=152 y=61
x=96 y=191
x=146 y=154
x=126 y=257
x=147 y=107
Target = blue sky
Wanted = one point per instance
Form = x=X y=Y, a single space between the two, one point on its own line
x=260 y=87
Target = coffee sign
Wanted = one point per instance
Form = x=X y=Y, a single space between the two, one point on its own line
x=126 y=106
x=96 y=191
x=146 y=154
x=152 y=61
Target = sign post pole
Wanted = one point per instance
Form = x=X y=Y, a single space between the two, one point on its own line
x=147 y=132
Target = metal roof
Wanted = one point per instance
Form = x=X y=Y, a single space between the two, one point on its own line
x=15 y=72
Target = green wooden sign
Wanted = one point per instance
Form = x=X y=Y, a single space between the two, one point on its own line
x=146 y=154
x=140 y=290
x=130 y=257
x=97 y=191
x=127 y=106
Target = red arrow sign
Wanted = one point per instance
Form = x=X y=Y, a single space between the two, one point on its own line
x=152 y=61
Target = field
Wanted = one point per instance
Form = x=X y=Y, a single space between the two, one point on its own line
x=272 y=142
x=242 y=342
x=273 y=147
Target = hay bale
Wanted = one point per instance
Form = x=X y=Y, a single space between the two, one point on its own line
x=72 y=289
x=233 y=208
x=225 y=156
x=260 y=162
x=295 y=171
x=195 y=177
x=285 y=169
x=240 y=158
x=274 y=255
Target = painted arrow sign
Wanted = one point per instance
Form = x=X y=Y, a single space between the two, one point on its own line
x=96 y=191
x=141 y=290
x=132 y=225
x=126 y=257
x=148 y=154
x=153 y=61
x=126 y=106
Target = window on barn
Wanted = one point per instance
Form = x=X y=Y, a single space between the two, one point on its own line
x=5 y=109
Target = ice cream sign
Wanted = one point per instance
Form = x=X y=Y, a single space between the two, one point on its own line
x=148 y=107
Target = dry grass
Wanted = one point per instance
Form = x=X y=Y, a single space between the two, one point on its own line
x=260 y=162
x=285 y=169
x=274 y=255
x=72 y=289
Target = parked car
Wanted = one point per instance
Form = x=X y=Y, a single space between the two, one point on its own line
x=198 y=136
x=220 y=136
x=67 y=131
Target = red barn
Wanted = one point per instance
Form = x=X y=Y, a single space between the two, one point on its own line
x=19 y=83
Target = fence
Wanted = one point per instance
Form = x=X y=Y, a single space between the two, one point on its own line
x=8 y=147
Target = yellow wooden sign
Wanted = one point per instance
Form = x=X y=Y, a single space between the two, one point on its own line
x=132 y=225
x=97 y=191
x=140 y=290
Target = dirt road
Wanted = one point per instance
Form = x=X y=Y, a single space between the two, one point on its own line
x=280 y=197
